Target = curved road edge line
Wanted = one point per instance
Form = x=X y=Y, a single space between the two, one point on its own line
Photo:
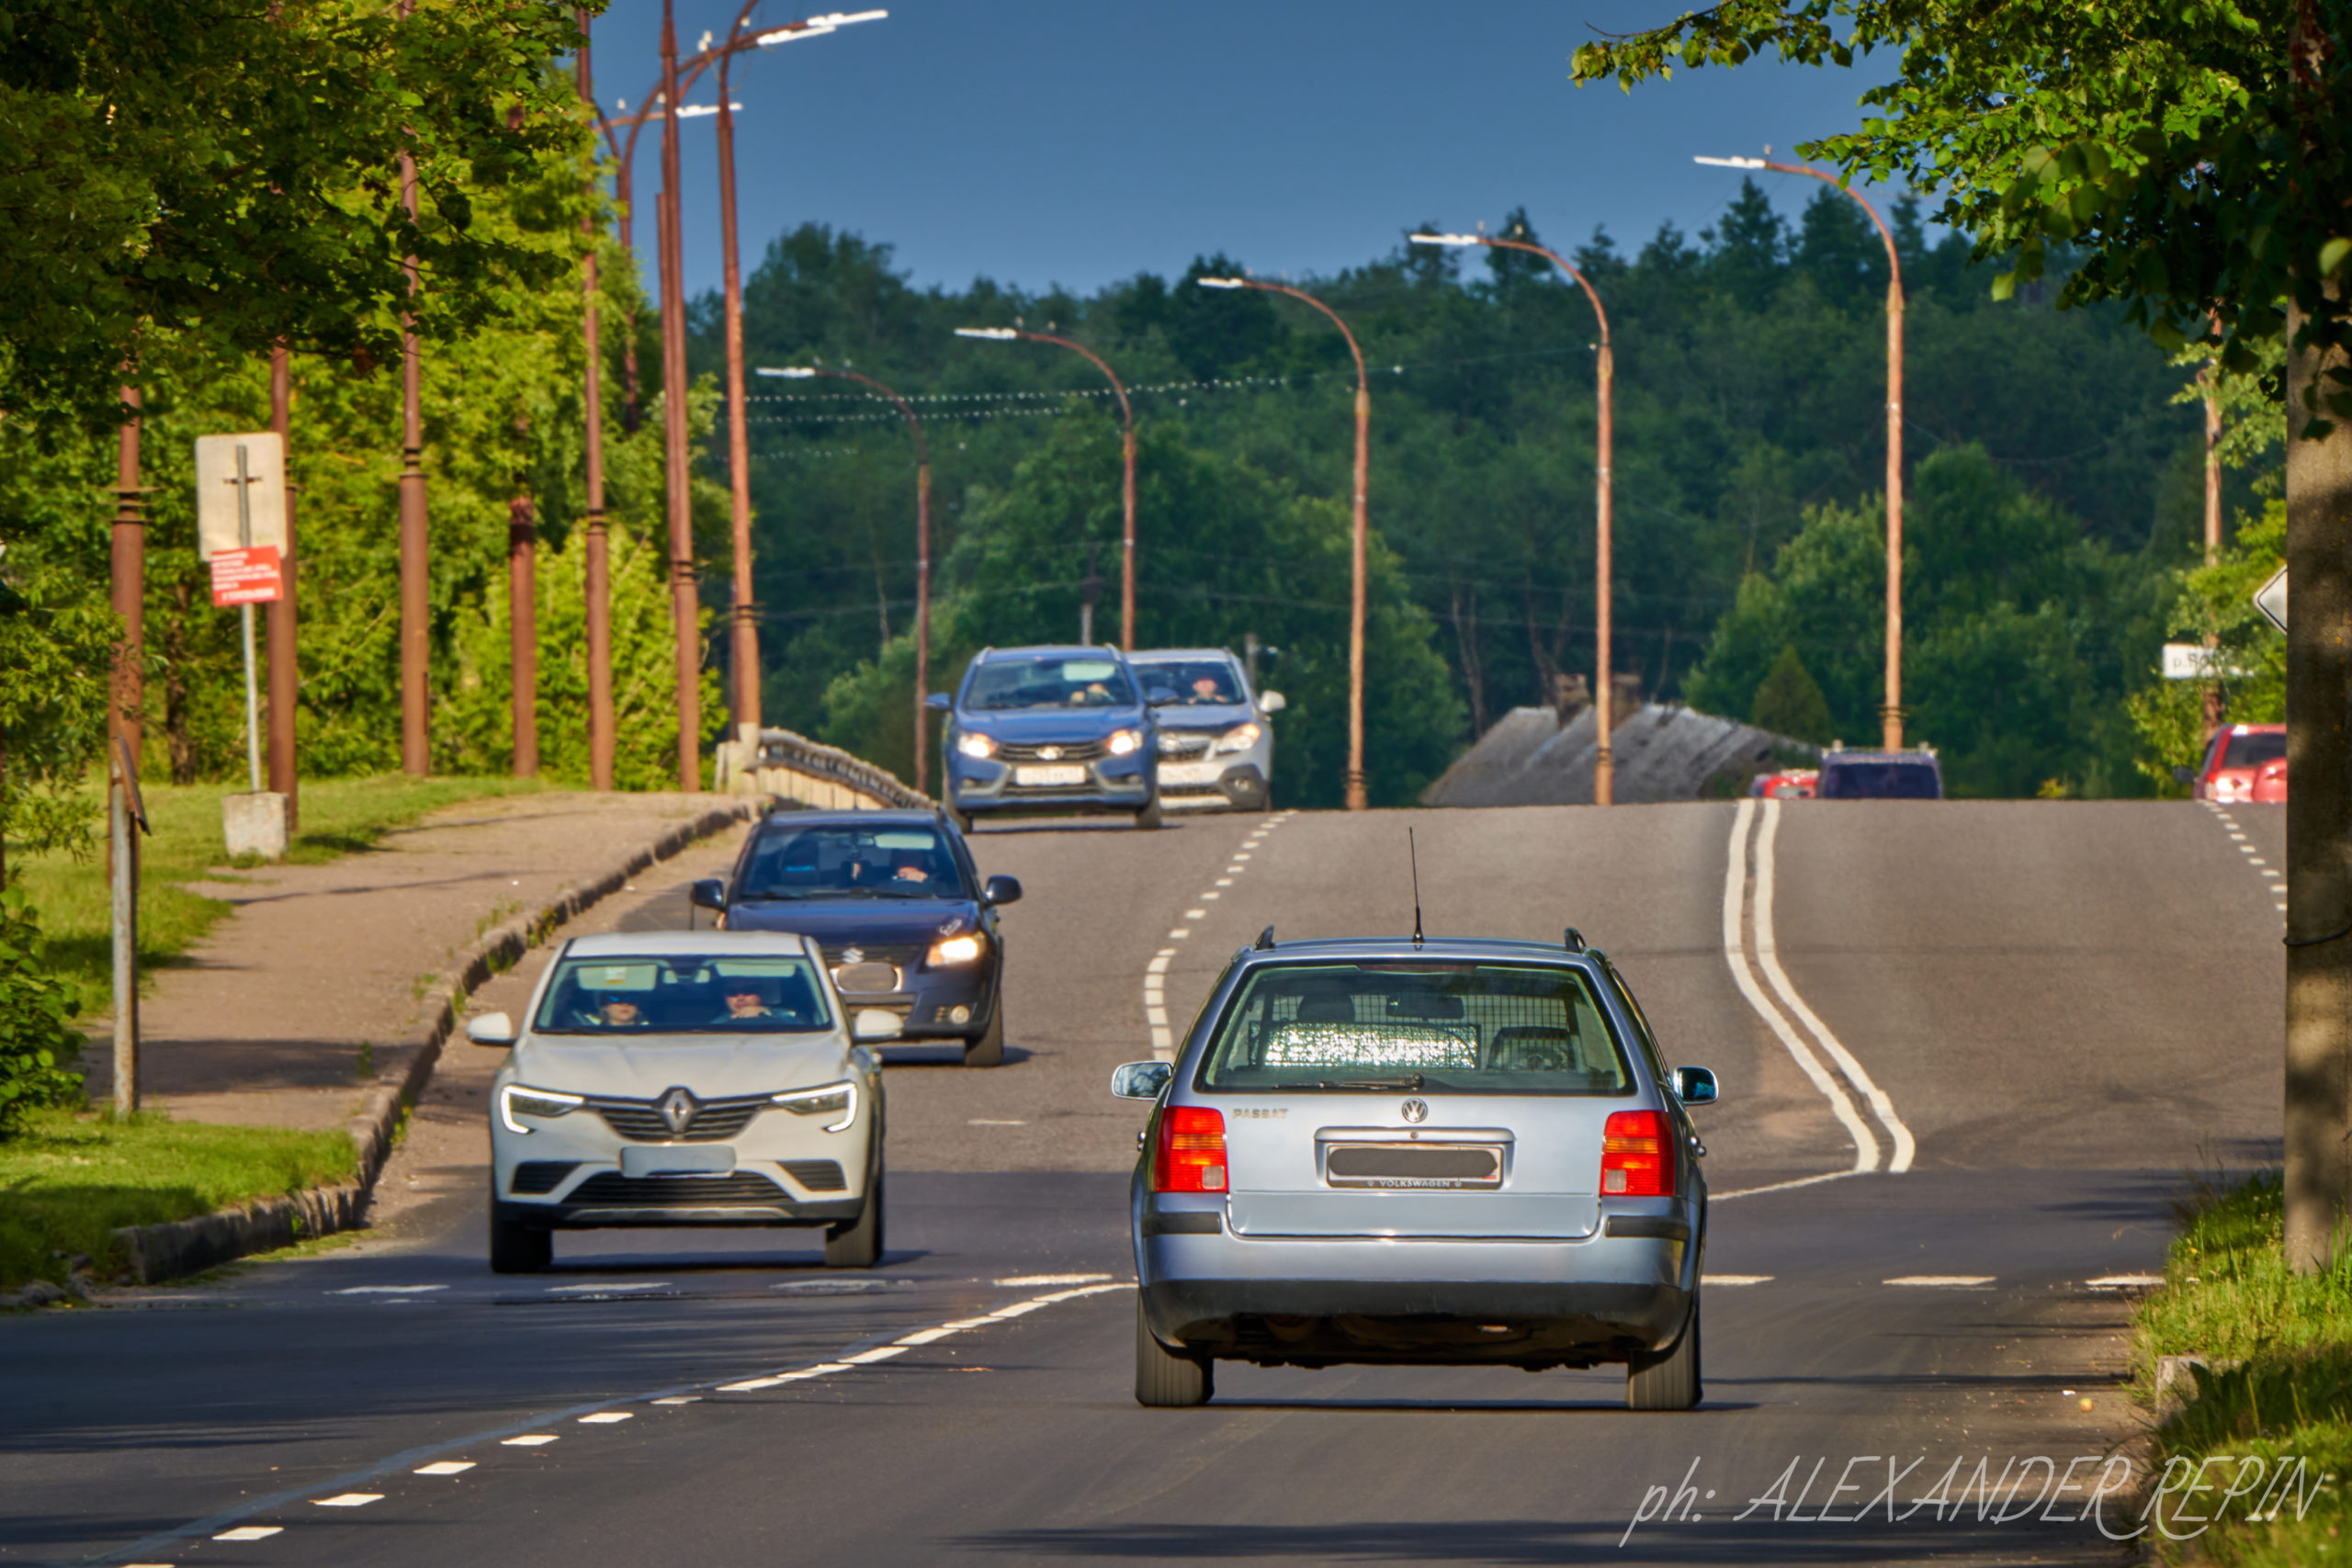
x=1767 y=958
x=1736 y=955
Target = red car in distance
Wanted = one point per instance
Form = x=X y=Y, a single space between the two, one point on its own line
x=2243 y=761
x=1788 y=783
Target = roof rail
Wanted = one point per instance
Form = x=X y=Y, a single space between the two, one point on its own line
x=1574 y=941
x=1265 y=942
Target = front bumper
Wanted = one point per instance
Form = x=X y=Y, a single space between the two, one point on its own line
x=1111 y=784
x=1214 y=785
x=929 y=999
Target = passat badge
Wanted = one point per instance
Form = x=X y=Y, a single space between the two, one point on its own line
x=678 y=1110
x=1416 y=1111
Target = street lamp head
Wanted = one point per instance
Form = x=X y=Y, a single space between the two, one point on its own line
x=789 y=372
x=1001 y=334
x=1446 y=239
x=1221 y=283
x=1732 y=162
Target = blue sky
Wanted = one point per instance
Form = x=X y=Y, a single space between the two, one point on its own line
x=1080 y=141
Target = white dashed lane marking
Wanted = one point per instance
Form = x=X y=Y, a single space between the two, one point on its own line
x=385 y=1290
x=1736 y=1279
x=2276 y=885
x=2125 y=1282
x=529 y=1440
x=1941 y=1281
x=251 y=1532
x=446 y=1467
x=608 y=1417
x=1155 y=996
x=349 y=1500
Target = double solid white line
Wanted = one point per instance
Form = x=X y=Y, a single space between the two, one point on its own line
x=1868 y=1150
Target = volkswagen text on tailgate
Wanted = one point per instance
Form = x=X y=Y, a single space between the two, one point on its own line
x=1452 y=1152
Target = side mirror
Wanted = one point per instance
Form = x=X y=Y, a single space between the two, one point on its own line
x=939 y=702
x=1141 y=1080
x=492 y=1029
x=1694 y=1086
x=2184 y=775
x=709 y=894
x=1270 y=701
x=1002 y=890
x=873 y=1023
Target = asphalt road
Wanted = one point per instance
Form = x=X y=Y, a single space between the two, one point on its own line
x=2068 y=1008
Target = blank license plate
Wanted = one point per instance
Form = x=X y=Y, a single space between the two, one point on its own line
x=1067 y=773
x=1414 y=1164
x=678 y=1159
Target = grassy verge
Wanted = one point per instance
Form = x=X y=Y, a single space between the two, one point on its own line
x=71 y=1179
x=2272 y=1413
x=339 y=816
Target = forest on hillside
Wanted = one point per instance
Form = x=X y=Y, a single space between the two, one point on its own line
x=2054 y=482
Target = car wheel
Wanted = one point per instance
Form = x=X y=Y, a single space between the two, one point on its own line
x=857 y=1244
x=1668 y=1381
x=987 y=1051
x=1148 y=817
x=1164 y=1381
x=518 y=1248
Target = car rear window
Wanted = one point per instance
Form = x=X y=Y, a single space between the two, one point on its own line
x=629 y=998
x=1880 y=780
x=1423 y=1026
x=2253 y=749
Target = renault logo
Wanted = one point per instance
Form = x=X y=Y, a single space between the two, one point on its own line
x=678 y=1108
x=1415 y=1110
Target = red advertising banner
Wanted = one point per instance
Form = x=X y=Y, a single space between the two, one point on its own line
x=246 y=577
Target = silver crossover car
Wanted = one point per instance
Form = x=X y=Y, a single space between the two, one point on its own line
x=1441 y=1152
x=1216 y=736
x=685 y=1079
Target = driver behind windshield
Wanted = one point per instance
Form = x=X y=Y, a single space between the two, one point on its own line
x=818 y=863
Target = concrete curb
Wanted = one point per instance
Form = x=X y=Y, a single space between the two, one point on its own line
x=185 y=1246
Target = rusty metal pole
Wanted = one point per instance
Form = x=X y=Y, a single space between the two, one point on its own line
x=284 y=668
x=922 y=616
x=522 y=632
x=2212 y=522
x=743 y=640
x=596 y=586
x=1604 y=765
x=684 y=601
x=128 y=570
x=416 y=606
x=1127 y=533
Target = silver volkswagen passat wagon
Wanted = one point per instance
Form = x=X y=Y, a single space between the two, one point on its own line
x=1449 y=1152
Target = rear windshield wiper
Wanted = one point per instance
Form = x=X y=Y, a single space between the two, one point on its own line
x=1410 y=1084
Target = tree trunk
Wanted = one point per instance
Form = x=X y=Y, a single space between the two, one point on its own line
x=2319 y=811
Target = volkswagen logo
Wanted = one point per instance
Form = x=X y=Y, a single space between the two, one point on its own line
x=852 y=955
x=1049 y=753
x=1415 y=1110
x=678 y=1108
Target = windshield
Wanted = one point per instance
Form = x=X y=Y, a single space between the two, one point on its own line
x=1197 y=682
x=2253 y=749
x=630 y=997
x=1004 y=683
x=1416 y=1026
x=1880 y=780
x=849 y=863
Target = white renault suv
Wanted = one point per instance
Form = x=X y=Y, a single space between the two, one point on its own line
x=685 y=1079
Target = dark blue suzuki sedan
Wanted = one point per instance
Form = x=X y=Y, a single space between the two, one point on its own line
x=1052 y=729
x=891 y=899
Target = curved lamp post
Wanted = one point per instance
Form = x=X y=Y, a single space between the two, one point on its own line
x=1891 y=711
x=1127 y=457
x=1356 y=797
x=922 y=558
x=1604 y=766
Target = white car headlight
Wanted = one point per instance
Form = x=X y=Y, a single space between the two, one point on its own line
x=1124 y=741
x=979 y=747
x=950 y=951
x=833 y=1100
x=515 y=1100
x=1240 y=737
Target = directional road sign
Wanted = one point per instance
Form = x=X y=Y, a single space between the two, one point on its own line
x=2271 y=599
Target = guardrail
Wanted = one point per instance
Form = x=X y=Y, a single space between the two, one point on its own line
x=789 y=766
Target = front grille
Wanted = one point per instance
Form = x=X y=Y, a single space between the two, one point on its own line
x=1182 y=747
x=611 y=1189
x=866 y=979
x=898 y=954
x=817 y=1175
x=542 y=1175
x=641 y=1122
x=1067 y=752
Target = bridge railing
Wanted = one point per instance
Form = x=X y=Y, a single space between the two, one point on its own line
x=789 y=766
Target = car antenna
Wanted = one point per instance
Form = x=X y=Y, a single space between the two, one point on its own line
x=1265 y=939
x=1414 y=855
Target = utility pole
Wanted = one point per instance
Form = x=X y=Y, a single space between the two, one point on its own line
x=128 y=563
x=597 y=588
x=684 y=601
x=523 y=633
x=285 y=667
x=2212 y=526
x=416 y=600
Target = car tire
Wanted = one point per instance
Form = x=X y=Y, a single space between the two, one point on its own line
x=1165 y=1381
x=987 y=1051
x=1668 y=1380
x=518 y=1248
x=1148 y=817
x=857 y=1244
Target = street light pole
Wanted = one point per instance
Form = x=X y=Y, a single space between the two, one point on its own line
x=597 y=584
x=1891 y=712
x=1356 y=797
x=1604 y=766
x=922 y=558
x=416 y=589
x=1127 y=468
x=684 y=600
x=743 y=646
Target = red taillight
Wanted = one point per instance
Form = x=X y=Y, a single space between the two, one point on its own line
x=1636 y=1160
x=1192 y=1151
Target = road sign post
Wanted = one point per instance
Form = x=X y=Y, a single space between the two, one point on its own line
x=126 y=819
x=241 y=532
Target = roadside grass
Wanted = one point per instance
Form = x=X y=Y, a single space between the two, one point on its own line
x=72 y=1178
x=2276 y=1387
x=340 y=817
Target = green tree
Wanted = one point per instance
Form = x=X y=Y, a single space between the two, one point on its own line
x=1790 y=701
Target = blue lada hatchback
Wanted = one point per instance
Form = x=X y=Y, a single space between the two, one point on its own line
x=1051 y=728
x=1451 y=1152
